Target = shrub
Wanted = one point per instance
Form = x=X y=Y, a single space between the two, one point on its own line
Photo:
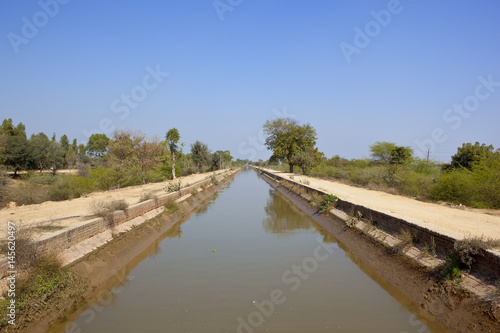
x=450 y=270
x=214 y=180
x=326 y=204
x=69 y=187
x=173 y=186
x=147 y=196
x=468 y=248
x=194 y=192
x=106 y=209
x=104 y=178
x=25 y=247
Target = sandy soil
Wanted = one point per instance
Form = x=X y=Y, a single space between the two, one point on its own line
x=50 y=216
x=463 y=220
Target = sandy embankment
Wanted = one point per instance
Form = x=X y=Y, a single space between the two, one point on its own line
x=53 y=215
x=466 y=221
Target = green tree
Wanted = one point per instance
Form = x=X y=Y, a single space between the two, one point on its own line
x=286 y=138
x=401 y=155
x=200 y=155
x=97 y=145
x=3 y=145
x=17 y=153
x=382 y=151
x=221 y=159
x=469 y=154
x=307 y=159
x=390 y=153
x=9 y=129
x=172 y=141
x=40 y=153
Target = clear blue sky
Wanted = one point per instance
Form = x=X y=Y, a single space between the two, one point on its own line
x=264 y=59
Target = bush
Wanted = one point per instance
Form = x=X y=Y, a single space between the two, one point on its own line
x=104 y=178
x=105 y=210
x=329 y=200
x=214 y=180
x=25 y=247
x=450 y=270
x=468 y=248
x=147 y=196
x=173 y=186
x=69 y=187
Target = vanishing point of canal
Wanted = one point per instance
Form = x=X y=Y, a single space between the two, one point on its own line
x=249 y=261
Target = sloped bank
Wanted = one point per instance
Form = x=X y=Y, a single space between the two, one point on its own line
x=95 y=265
x=468 y=307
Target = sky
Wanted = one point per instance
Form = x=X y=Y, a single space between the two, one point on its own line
x=424 y=74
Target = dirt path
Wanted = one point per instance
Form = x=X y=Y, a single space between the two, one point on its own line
x=53 y=215
x=465 y=221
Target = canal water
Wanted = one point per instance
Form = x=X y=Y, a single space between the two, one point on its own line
x=248 y=261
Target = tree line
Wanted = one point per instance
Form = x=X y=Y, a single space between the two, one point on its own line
x=126 y=158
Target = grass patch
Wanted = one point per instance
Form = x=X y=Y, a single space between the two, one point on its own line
x=46 y=286
x=194 y=192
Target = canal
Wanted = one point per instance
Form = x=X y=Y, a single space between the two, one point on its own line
x=248 y=261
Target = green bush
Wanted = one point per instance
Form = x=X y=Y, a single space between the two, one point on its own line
x=104 y=178
x=329 y=200
x=69 y=187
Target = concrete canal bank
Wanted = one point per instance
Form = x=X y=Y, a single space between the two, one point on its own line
x=375 y=237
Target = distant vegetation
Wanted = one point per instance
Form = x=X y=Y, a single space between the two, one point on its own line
x=127 y=158
x=472 y=178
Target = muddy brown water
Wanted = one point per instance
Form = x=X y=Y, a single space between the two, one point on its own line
x=248 y=261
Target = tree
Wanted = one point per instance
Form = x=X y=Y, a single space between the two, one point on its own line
x=401 y=155
x=3 y=145
x=390 y=153
x=40 y=154
x=221 y=159
x=172 y=141
x=9 y=129
x=307 y=159
x=285 y=137
x=130 y=153
x=17 y=153
x=381 y=151
x=200 y=155
x=469 y=154
x=64 y=144
x=97 y=145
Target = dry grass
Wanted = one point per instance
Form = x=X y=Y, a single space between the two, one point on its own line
x=148 y=196
x=407 y=239
x=106 y=209
x=468 y=248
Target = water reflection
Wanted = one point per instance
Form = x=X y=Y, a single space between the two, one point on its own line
x=281 y=217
